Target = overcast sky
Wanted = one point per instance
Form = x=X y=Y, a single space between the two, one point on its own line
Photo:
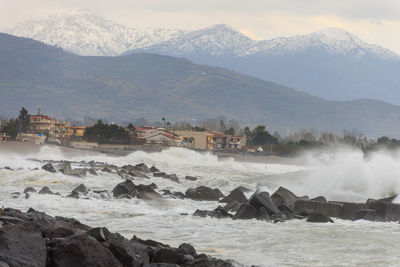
x=375 y=21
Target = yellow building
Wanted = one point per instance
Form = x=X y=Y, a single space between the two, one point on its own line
x=74 y=133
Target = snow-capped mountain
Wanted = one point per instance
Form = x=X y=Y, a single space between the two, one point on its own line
x=332 y=63
x=223 y=40
x=84 y=33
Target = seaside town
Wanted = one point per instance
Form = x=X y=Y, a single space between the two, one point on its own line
x=43 y=129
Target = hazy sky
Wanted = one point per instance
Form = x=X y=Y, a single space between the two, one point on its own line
x=375 y=21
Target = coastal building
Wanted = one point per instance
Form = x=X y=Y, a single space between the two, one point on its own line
x=153 y=135
x=74 y=133
x=235 y=142
x=196 y=139
x=52 y=129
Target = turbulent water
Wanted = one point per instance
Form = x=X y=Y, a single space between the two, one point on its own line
x=342 y=174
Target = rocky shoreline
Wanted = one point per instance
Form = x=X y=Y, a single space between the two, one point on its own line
x=33 y=238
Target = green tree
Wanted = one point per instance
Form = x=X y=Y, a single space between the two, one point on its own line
x=11 y=129
x=107 y=134
x=23 y=121
x=259 y=136
x=230 y=131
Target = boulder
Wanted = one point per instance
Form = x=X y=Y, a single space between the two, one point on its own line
x=137 y=173
x=284 y=200
x=30 y=190
x=387 y=212
x=81 y=189
x=92 y=171
x=64 y=167
x=79 y=251
x=187 y=249
x=235 y=195
x=173 y=178
x=219 y=213
x=232 y=206
x=203 y=193
x=317 y=217
x=262 y=199
x=22 y=244
x=153 y=169
x=168 y=255
x=327 y=208
x=160 y=174
x=349 y=210
x=49 y=167
x=262 y=214
x=246 y=212
x=126 y=189
x=190 y=178
x=388 y=199
x=175 y=194
x=366 y=214
x=46 y=190
x=142 y=168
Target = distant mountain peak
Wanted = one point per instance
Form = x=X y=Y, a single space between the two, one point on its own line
x=85 y=33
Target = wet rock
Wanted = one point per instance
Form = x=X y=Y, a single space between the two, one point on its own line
x=284 y=199
x=46 y=190
x=330 y=209
x=232 y=206
x=22 y=245
x=125 y=189
x=349 y=210
x=27 y=195
x=188 y=249
x=246 y=212
x=219 y=213
x=160 y=174
x=153 y=169
x=170 y=194
x=106 y=169
x=81 y=189
x=137 y=173
x=10 y=219
x=173 y=178
x=80 y=250
x=366 y=214
x=49 y=167
x=262 y=199
x=262 y=214
x=30 y=190
x=318 y=217
x=190 y=178
x=98 y=234
x=168 y=255
x=64 y=167
x=93 y=171
x=387 y=212
x=388 y=199
x=203 y=193
x=142 y=168
x=320 y=199
x=235 y=195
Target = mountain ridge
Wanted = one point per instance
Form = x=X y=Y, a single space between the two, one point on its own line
x=154 y=86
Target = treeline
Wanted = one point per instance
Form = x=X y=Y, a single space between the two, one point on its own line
x=21 y=124
x=104 y=133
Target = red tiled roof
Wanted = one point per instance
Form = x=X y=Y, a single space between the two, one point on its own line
x=38 y=117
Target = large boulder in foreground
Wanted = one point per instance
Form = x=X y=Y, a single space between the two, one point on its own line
x=236 y=195
x=80 y=251
x=385 y=211
x=245 y=212
x=22 y=245
x=263 y=200
x=204 y=193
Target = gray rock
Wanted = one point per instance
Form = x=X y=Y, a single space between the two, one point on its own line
x=30 y=190
x=320 y=199
x=318 y=217
x=203 y=193
x=246 y=212
x=46 y=190
x=190 y=178
x=330 y=209
x=126 y=189
x=49 y=167
x=262 y=199
x=154 y=169
x=235 y=195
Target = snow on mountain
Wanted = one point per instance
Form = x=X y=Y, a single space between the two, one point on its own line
x=222 y=40
x=83 y=33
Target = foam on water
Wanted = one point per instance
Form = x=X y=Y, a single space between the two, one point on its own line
x=341 y=174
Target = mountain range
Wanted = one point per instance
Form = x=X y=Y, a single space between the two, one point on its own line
x=154 y=86
x=333 y=64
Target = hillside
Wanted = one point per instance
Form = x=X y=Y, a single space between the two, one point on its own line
x=153 y=86
x=332 y=63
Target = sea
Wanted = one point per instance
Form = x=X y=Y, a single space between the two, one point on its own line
x=340 y=173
